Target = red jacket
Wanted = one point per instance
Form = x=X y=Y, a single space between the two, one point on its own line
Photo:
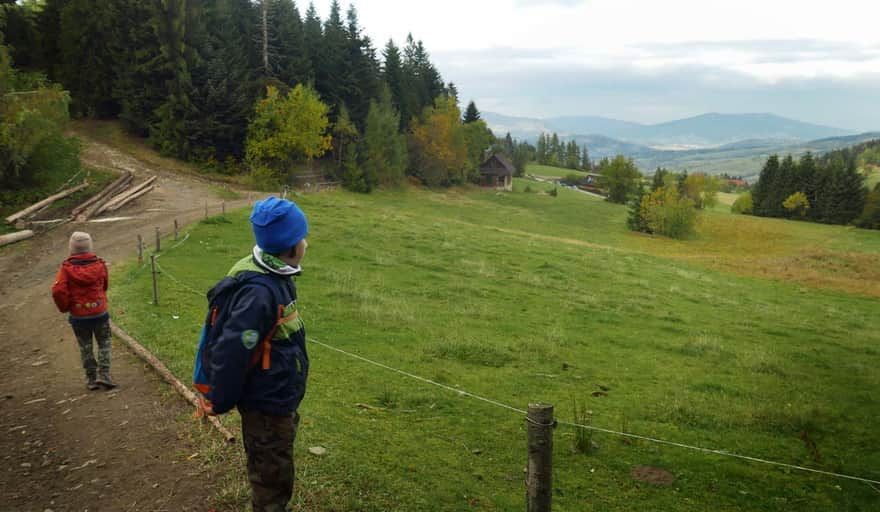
x=81 y=286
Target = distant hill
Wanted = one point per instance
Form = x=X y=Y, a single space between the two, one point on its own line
x=706 y=130
x=737 y=144
x=745 y=158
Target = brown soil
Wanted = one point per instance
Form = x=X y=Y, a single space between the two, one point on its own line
x=63 y=448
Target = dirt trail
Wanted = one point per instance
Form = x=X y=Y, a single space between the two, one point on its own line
x=63 y=448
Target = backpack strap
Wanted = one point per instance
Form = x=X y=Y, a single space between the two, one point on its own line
x=263 y=353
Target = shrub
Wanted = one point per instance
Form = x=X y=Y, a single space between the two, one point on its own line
x=797 y=204
x=743 y=204
x=667 y=213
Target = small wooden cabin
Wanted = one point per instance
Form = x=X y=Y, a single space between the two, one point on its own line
x=497 y=172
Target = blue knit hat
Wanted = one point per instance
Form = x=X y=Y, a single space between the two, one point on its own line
x=278 y=224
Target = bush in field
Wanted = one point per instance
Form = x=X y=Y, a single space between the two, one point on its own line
x=743 y=204
x=702 y=190
x=667 y=213
x=797 y=204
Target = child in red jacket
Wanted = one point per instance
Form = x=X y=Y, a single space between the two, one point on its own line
x=81 y=290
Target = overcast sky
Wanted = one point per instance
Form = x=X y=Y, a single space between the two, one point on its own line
x=649 y=61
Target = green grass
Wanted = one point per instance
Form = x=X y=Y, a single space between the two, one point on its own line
x=873 y=177
x=551 y=171
x=525 y=297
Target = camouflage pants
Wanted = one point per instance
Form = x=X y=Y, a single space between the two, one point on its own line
x=268 y=441
x=102 y=335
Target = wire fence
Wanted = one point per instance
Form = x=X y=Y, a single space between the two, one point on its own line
x=497 y=403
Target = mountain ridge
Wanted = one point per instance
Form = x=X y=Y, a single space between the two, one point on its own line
x=710 y=129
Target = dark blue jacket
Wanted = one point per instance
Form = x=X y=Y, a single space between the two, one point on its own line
x=249 y=318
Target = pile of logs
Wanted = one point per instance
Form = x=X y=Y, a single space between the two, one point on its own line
x=113 y=197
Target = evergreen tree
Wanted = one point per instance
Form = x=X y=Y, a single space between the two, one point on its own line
x=553 y=150
x=541 y=149
x=452 y=92
x=344 y=133
x=392 y=74
x=292 y=64
x=140 y=87
x=659 y=179
x=383 y=147
x=471 y=114
x=86 y=64
x=180 y=33
x=635 y=221
x=764 y=192
x=586 y=165
x=361 y=75
x=313 y=37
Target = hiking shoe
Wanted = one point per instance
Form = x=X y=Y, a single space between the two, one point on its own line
x=91 y=383
x=105 y=380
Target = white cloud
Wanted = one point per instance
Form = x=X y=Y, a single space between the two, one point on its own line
x=762 y=41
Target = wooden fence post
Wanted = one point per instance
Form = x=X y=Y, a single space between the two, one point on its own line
x=206 y=209
x=223 y=207
x=155 y=283
x=175 y=230
x=540 y=469
x=158 y=243
x=140 y=250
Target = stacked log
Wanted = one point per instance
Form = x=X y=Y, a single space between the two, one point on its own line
x=45 y=202
x=92 y=206
x=129 y=195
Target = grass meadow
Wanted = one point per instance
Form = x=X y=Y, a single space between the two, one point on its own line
x=759 y=337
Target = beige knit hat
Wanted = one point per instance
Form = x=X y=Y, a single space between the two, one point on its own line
x=80 y=242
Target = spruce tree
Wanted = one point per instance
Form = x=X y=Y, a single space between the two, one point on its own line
x=383 y=147
x=471 y=114
x=86 y=65
x=392 y=74
x=765 y=190
x=292 y=64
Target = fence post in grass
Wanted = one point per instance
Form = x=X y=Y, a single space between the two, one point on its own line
x=158 y=243
x=206 y=209
x=223 y=207
x=140 y=250
x=175 y=230
x=539 y=481
x=155 y=283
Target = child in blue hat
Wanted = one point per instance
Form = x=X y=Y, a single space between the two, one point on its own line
x=258 y=362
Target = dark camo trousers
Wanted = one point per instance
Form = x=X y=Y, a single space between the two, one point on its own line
x=268 y=441
x=104 y=339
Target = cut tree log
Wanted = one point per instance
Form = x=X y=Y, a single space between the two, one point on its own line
x=18 y=236
x=169 y=377
x=106 y=194
x=119 y=198
x=131 y=198
x=45 y=202
x=100 y=195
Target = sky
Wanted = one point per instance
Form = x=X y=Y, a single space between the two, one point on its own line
x=648 y=61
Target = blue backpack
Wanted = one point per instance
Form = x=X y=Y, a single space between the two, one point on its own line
x=219 y=303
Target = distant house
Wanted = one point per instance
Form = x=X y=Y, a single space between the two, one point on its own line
x=497 y=172
x=590 y=183
x=737 y=182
